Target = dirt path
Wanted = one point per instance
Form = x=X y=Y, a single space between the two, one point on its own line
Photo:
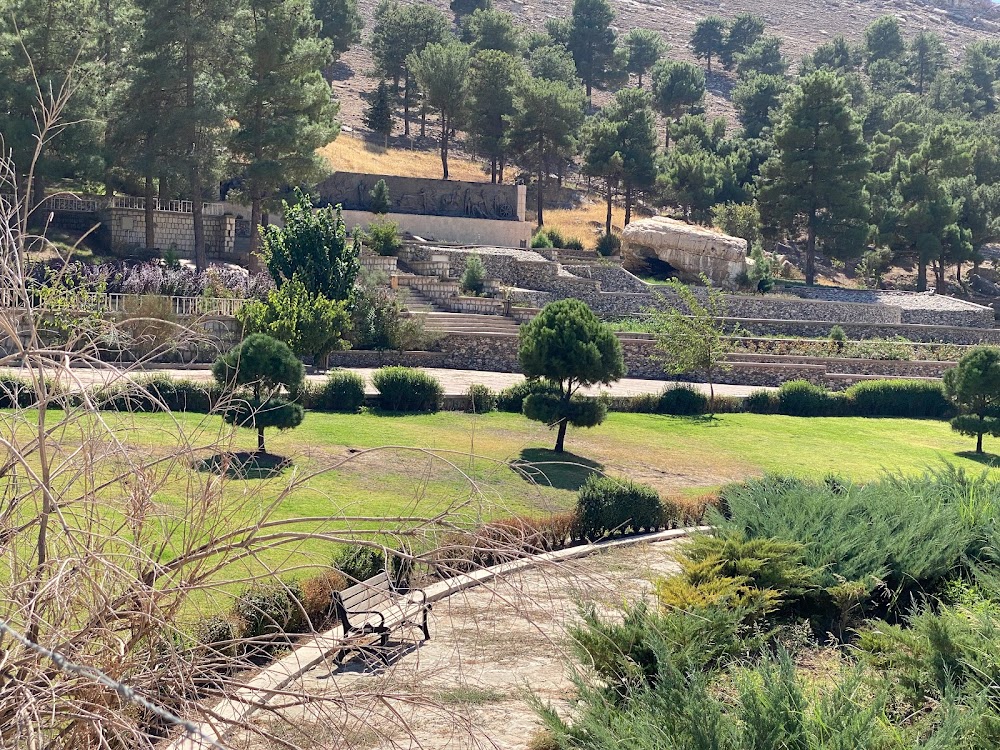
x=490 y=648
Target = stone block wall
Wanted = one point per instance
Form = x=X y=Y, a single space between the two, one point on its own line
x=173 y=229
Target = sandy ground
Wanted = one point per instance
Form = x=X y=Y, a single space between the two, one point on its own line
x=454 y=382
x=491 y=648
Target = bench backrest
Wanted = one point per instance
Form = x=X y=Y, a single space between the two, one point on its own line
x=364 y=597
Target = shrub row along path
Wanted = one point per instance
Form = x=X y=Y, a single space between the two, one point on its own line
x=454 y=382
x=491 y=647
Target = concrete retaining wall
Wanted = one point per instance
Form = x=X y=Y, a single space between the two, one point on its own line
x=451 y=228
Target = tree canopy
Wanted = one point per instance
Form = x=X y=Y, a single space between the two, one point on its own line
x=974 y=387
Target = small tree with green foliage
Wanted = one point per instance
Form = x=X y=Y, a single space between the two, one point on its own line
x=474 y=276
x=382 y=237
x=692 y=335
x=314 y=246
x=645 y=47
x=567 y=346
x=379 y=201
x=677 y=86
x=708 y=39
x=443 y=73
x=743 y=32
x=592 y=42
x=310 y=324
x=378 y=116
x=974 y=387
x=340 y=21
x=265 y=365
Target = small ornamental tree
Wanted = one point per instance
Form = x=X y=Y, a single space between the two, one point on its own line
x=474 y=276
x=692 y=335
x=314 y=246
x=567 y=346
x=379 y=201
x=378 y=116
x=265 y=365
x=974 y=387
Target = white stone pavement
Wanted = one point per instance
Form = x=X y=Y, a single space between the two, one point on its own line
x=454 y=382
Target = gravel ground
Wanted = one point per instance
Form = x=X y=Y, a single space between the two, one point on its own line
x=468 y=687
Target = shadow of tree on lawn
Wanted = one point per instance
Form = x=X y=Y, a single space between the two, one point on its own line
x=987 y=459
x=244 y=465
x=563 y=471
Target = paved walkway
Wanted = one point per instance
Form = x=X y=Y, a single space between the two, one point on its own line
x=468 y=687
x=454 y=382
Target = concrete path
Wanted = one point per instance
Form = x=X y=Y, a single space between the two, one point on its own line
x=468 y=687
x=454 y=382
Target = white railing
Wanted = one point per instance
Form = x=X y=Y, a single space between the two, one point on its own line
x=180 y=207
x=132 y=303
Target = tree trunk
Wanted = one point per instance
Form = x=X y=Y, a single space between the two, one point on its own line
x=561 y=435
x=607 y=219
x=197 y=219
x=559 y=174
x=539 y=188
x=921 y=274
x=710 y=64
x=640 y=80
x=149 y=214
x=590 y=87
x=406 y=104
x=444 y=145
x=958 y=273
x=253 y=262
x=195 y=167
x=500 y=171
x=423 y=117
x=493 y=170
x=260 y=440
x=811 y=254
x=979 y=442
x=163 y=189
x=628 y=203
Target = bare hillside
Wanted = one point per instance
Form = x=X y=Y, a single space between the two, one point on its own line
x=804 y=25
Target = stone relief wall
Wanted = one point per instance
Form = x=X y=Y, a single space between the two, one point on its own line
x=412 y=195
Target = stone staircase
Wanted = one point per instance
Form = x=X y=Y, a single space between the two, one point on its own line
x=416 y=301
x=445 y=322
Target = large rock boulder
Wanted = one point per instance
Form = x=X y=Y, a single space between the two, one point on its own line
x=690 y=249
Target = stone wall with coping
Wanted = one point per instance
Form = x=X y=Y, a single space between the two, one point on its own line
x=450 y=228
x=173 y=229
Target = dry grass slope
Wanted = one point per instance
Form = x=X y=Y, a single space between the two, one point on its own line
x=352 y=154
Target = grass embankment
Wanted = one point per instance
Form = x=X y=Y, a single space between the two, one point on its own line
x=351 y=154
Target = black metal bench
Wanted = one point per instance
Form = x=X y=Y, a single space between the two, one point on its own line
x=375 y=608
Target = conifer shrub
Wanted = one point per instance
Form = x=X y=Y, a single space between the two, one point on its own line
x=343 y=392
x=609 y=244
x=266 y=612
x=541 y=240
x=511 y=399
x=359 y=562
x=607 y=506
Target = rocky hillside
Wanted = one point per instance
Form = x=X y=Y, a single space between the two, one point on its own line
x=804 y=25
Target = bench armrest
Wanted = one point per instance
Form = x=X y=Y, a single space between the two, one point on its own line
x=423 y=595
x=368 y=612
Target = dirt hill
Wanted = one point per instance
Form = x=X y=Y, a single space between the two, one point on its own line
x=804 y=25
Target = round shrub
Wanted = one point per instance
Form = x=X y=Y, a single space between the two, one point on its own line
x=609 y=244
x=541 y=240
x=407 y=390
x=606 y=505
x=267 y=610
x=574 y=244
x=761 y=402
x=481 y=399
x=216 y=635
x=317 y=596
x=512 y=399
x=555 y=237
x=343 y=391
x=914 y=399
x=682 y=401
x=359 y=562
x=800 y=398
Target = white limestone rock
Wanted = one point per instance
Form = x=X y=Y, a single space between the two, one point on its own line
x=692 y=250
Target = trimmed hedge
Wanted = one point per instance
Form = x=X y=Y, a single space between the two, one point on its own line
x=898 y=398
x=800 y=398
x=606 y=505
x=481 y=399
x=343 y=392
x=407 y=390
x=682 y=401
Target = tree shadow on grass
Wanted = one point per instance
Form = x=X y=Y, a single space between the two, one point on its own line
x=563 y=471
x=244 y=465
x=987 y=459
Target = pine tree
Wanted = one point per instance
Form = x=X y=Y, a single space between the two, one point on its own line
x=884 y=40
x=340 y=21
x=492 y=29
x=926 y=59
x=546 y=121
x=815 y=181
x=708 y=38
x=645 y=48
x=442 y=71
x=757 y=98
x=676 y=86
x=592 y=42
x=379 y=117
x=743 y=32
x=763 y=57
x=283 y=104
x=493 y=78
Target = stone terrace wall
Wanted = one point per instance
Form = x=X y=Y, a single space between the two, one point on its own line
x=924 y=308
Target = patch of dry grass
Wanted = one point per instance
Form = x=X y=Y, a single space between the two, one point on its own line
x=586 y=222
x=352 y=154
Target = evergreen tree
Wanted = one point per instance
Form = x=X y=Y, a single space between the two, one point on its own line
x=974 y=387
x=379 y=117
x=544 y=127
x=756 y=99
x=340 y=21
x=443 y=71
x=836 y=55
x=553 y=63
x=493 y=79
x=763 y=57
x=283 y=104
x=693 y=178
x=884 y=40
x=399 y=32
x=592 y=42
x=645 y=47
x=185 y=53
x=743 y=32
x=815 y=181
x=676 y=86
x=708 y=38
x=602 y=159
x=379 y=201
x=492 y=29
x=926 y=59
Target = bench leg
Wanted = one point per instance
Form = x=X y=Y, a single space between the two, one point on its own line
x=423 y=625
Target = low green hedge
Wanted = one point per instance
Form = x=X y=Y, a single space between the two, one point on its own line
x=342 y=392
x=606 y=505
x=407 y=390
x=915 y=399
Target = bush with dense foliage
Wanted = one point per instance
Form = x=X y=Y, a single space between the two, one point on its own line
x=267 y=612
x=343 y=391
x=974 y=387
x=914 y=399
x=541 y=240
x=481 y=399
x=800 y=398
x=473 y=279
x=407 y=390
x=383 y=238
x=511 y=398
x=682 y=401
x=608 y=505
x=609 y=244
